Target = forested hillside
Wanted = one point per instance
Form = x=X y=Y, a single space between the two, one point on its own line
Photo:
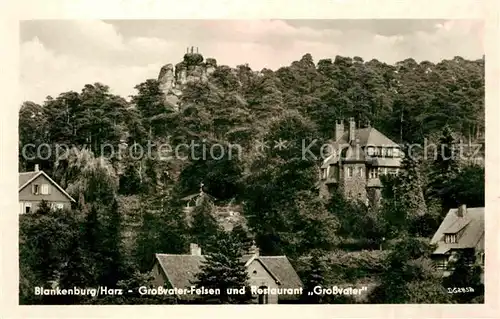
x=129 y=205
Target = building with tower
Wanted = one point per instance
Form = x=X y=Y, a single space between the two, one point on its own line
x=357 y=159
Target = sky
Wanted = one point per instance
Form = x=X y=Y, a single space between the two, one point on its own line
x=63 y=55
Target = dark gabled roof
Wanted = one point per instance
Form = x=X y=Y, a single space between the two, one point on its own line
x=353 y=154
x=181 y=270
x=353 y=151
x=386 y=161
x=457 y=226
x=367 y=136
x=281 y=267
x=25 y=178
x=471 y=225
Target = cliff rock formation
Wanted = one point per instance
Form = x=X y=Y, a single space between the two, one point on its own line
x=191 y=68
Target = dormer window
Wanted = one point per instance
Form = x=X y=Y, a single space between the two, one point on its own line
x=450 y=238
x=370 y=151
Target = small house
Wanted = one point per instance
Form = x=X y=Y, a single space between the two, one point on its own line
x=37 y=186
x=461 y=230
x=174 y=271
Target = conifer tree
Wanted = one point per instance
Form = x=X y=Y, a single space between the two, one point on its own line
x=224 y=269
x=112 y=253
x=403 y=201
x=146 y=243
x=445 y=169
x=409 y=189
x=241 y=235
x=204 y=227
x=314 y=277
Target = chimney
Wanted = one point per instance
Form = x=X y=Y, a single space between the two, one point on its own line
x=255 y=250
x=462 y=210
x=352 y=129
x=195 y=249
x=37 y=168
x=339 y=129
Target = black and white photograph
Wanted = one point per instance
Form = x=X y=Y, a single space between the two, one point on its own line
x=251 y=162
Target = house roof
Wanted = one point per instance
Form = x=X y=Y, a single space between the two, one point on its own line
x=25 y=178
x=354 y=151
x=471 y=225
x=386 y=161
x=181 y=270
x=367 y=136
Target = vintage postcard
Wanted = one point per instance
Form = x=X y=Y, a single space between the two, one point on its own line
x=270 y=164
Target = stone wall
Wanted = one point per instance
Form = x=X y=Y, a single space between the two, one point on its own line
x=354 y=187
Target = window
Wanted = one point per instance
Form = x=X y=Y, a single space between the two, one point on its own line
x=450 y=238
x=389 y=152
x=45 y=189
x=442 y=263
x=395 y=152
x=360 y=171
x=27 y=208
x=385 y=170
x=370 y=151
x=373 y=173
x=349 y=172
x=59 y=206
x=384 y=151
x=36 y=189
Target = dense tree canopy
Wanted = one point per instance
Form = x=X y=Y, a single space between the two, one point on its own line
x=249 y=129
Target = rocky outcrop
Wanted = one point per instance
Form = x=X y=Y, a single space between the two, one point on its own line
x=192 y=68
x=166 y=77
